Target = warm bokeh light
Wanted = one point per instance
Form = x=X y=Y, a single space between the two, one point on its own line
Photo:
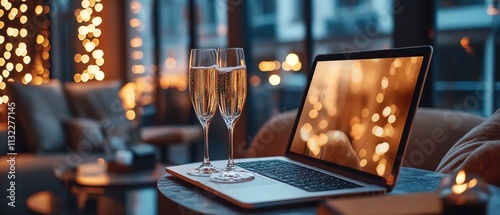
x=391 y=119
x=138 y=69
x=460 y=179
x=313 y=114
x=170 y=63
x=136 y=55
x=292 y=59
x=380 y=98
x=269 y=66
x=38 y=9
x=385 y=83
x=464 y=42
x=136 y=42
x=130 y=114
x=397 y=63
x=363 y=163
x=28 y=77
x=96 y=21
x=99 y=75
x=88 y=33
x=387 y=110
x=135 y=6
x=99 y=7
x=382 y=148
x=286 y=66
x=25 y=49
x=134 y=23
x=255 y=80
x=142 y=71
x=274 y=79
x=97 y=54
x=460 y=187
x=297 y=67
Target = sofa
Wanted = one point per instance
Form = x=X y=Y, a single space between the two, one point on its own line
x=440 y=140
x=64 y=125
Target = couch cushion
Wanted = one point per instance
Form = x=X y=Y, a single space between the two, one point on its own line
x=84 y=135
x=40 y=110
x=434 y=131
x=477 y=152
x=95 y=100
x=100 y=101
x=272 y=138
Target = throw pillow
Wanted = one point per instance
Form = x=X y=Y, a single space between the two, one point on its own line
x=95 y=100
x=41 y=109
x=84 y=135
x=100 y=101
x=477 y=152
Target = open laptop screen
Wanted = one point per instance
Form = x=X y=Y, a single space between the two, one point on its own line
x=355 y=112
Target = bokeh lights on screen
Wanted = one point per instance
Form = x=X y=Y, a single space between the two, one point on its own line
x=355 y=112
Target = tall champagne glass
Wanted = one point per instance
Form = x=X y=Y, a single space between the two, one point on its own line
x=232 y=96
x=203 y=93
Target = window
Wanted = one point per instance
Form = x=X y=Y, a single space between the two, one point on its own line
x=211 y=23
x=176 y=37
x=351 y=25
x=464 y=61
x=277 y=52
x=282 y=36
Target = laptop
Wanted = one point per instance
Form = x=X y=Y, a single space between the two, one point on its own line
x=349 y=136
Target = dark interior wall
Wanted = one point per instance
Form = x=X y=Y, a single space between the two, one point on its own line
x=238 y=37
x=414 y=25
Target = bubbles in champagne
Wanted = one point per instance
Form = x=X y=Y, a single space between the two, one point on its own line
x=232 y=92
x=203 y=92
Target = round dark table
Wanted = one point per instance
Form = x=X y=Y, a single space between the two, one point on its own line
x=106 y=193
x=179 y=197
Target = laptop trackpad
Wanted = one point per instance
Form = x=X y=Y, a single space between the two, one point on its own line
x=258 y=181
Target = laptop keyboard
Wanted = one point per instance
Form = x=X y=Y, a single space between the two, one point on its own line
x=297 y=176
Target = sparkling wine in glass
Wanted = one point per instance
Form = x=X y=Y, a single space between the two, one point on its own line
x=203 y=87
x=232 y=95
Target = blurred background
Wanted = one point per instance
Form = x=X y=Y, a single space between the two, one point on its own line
x=146 y=43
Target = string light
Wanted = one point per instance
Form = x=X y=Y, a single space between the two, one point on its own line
x=25 y=47
x=140 y=91
x=91 y=57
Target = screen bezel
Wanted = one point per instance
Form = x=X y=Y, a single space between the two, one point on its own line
x=418 y=51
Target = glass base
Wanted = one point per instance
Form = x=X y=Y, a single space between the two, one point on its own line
x=232 y=175
x=203 y=170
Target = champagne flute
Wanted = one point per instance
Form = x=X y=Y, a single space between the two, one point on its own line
x=203 y=93
x=232 y=96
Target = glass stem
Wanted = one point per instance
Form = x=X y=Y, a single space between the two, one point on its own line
x=206 y=159
x=230 y=162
